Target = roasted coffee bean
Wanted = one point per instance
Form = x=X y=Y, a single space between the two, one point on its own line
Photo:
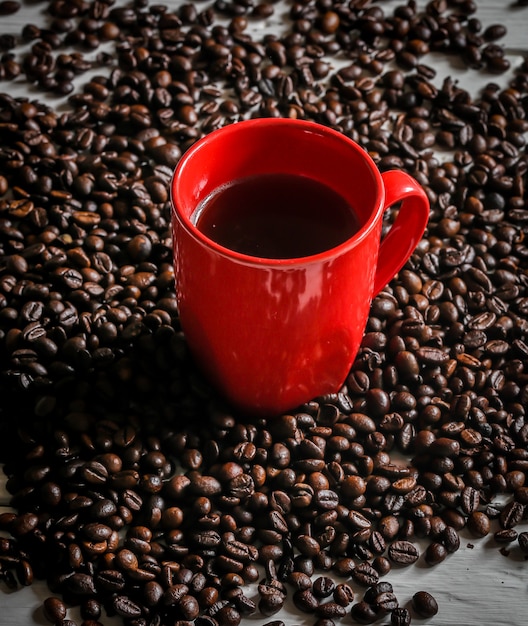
x=400 y=617
x=81 y=584
x=382 y=565
x=91 y=609
x=450 y=538
x=385 y=602
x=435 y=553
x=300 y=580
x=323 y=587
x=305 y=601
x=245 y=606
x=125 y=607
x=478 y=523
x=330 y=610
x=523 y=541
x=364 y=613
x=511 y=515
x=403 y=552
x=110 y=580
x=24 y=572
x=372 y=592
x=8 y=7
x=469 y=500
x=271 y=603
x=424 y=604
x=365 y=575
x=54 y=609
x=343 y=594
x=505 y=535
x=23 y=524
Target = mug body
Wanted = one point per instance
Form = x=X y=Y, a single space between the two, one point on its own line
x=273 y=333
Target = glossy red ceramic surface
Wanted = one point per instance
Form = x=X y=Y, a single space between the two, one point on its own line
x=271 y=334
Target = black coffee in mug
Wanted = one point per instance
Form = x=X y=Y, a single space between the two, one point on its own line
x=276 y=216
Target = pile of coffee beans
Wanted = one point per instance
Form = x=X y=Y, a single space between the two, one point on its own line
x=138 y=493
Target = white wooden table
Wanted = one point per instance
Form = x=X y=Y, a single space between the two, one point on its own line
x=476 y=585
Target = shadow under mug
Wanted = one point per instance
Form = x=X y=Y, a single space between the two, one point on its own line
x=271 y=334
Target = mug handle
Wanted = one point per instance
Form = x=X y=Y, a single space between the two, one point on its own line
x=408 y=228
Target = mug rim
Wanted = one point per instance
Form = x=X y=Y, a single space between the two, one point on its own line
x=248 y=259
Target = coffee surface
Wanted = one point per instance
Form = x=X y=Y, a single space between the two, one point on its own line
x=277 y=216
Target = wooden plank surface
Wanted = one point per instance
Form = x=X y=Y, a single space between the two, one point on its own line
x=478 y=584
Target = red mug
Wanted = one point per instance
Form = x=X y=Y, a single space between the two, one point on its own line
x=271 y=334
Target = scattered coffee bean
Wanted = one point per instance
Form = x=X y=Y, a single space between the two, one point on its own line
x=523 y=541
x=424 y=604
x=401 y=617
x=435 y=553
x=364 y=613
x=478 y=523
x=403 y=552
x=54 y=609
x=149 y=493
